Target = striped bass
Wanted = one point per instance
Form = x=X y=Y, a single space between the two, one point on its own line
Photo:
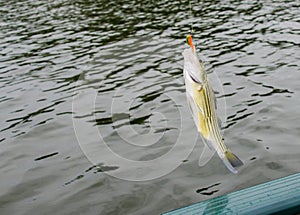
x=202 y=104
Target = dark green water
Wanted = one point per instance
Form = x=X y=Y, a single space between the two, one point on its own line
x=122 y=61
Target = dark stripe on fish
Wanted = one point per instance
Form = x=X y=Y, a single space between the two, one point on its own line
x=207 y=100
x=211 y=119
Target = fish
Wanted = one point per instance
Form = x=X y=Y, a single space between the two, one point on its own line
x=203 y=107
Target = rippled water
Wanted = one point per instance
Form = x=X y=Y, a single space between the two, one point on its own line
x=127 y=56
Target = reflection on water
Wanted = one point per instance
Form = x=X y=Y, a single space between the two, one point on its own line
x=129 y=54
x=217 y=206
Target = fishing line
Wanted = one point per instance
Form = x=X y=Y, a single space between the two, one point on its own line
x=191 y=14
x=191 y=31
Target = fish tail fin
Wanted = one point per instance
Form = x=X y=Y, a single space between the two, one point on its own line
x=232 y=161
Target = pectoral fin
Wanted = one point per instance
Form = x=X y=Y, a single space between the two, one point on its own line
x=205 y=156
x=200 y=109
x=194 y=107
x=208 y=143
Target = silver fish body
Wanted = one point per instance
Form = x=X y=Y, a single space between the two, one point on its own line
x=202 y=104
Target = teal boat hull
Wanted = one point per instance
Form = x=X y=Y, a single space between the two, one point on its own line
x=280 y=196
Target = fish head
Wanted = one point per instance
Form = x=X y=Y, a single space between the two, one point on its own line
x=193 y=67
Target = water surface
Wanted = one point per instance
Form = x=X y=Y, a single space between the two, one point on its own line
x=128 y=54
